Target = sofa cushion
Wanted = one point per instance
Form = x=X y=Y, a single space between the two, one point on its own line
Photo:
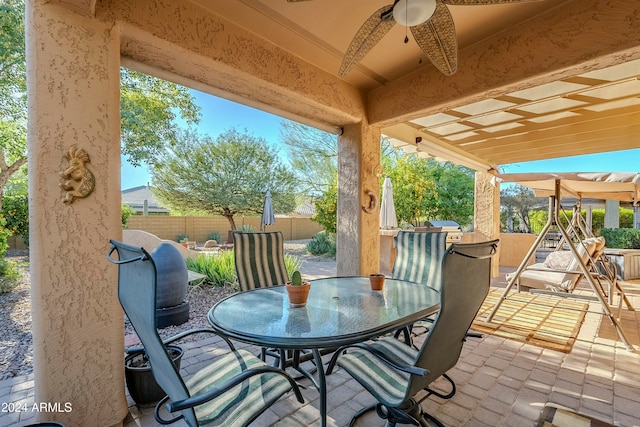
x=558 y=260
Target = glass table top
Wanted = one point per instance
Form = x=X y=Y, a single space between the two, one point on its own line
x=339 y=310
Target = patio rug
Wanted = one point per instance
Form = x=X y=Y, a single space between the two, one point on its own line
x=558 y=416
x=540 y=320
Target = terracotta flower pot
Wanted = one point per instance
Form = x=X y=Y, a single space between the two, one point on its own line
x=377 y=281
x=298 y=294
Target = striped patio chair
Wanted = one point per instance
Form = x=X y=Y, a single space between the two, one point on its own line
x=395 y=373
x=419 y=257
x=259 y=259
x=232 y=390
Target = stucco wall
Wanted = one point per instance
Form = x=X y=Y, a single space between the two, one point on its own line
x=514 y=247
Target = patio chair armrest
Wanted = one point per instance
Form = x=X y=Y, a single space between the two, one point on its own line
x=182 y=335
x=385 y=358
x=198 y=331
x=199 y=399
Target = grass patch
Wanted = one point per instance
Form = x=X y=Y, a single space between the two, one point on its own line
x=220 y=269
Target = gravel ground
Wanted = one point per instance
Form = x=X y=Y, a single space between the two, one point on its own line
x=16 y=350
x=15 y=323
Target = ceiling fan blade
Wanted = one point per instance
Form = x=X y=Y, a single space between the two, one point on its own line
x=477 y=2
x=437 y=39
x=365 y=39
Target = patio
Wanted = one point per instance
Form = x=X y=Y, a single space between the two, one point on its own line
x=500 y=382
x=519 y=94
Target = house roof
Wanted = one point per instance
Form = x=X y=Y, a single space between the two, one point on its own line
x=136 y=197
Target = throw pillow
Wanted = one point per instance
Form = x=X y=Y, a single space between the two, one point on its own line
x=558 y=260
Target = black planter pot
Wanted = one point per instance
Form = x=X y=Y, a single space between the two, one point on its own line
x=171 y=286
x=173 y=278
x=142 y=386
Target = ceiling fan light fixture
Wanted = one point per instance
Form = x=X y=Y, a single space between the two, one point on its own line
x=413 y=12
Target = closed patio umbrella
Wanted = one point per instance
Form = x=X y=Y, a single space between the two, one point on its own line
x=388 y=217
x=268 y=218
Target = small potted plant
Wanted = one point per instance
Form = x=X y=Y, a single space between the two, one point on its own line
x=377 y=281
x=298 y=290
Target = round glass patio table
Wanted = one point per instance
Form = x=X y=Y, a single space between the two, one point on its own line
x=339 y=311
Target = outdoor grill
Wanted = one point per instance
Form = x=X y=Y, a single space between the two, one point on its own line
x=454 y=232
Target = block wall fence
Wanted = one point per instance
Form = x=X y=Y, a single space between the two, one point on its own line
x=199 y=227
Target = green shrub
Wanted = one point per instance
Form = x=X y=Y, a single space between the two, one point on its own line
x=322 y=243
x=126 y=212
x=182 y=238
x=621 y=238
x=4 y=233
x=539 y=218
x=15 y=210
x=220 y=269
x=8 y=276
x=246 y=228
x=214 y=235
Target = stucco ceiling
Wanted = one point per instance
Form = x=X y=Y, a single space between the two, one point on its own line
x=535 y=80
x=589 y=103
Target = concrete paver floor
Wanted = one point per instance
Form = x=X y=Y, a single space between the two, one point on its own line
x=499 y=382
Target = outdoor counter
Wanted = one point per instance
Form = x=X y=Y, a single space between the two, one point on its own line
x=387 y=250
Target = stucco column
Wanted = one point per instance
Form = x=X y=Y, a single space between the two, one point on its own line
x=358 y=237
x=77 y=324
x=486 y=213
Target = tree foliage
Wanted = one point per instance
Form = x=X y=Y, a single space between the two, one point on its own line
x=313 y=155
x=227 y=176
x=148 y=110
x=149 y=106
x=327 y=207
x=425 y=189
x=13 y=86
x=518 y=201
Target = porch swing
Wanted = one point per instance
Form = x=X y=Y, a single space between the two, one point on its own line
x=586 y=257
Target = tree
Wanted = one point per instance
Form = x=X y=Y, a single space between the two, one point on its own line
x=313 y=155
x=455 y=187
x=518 y=201
x=227 y=176
x=149 y=106
x=13 y=86
x=327 y=207
x=425 y=189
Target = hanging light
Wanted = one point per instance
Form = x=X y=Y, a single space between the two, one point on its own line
x=413 y=12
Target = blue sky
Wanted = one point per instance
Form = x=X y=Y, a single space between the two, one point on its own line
x=219 y=115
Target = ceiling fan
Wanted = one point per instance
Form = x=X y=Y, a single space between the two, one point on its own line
x=431 y=25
